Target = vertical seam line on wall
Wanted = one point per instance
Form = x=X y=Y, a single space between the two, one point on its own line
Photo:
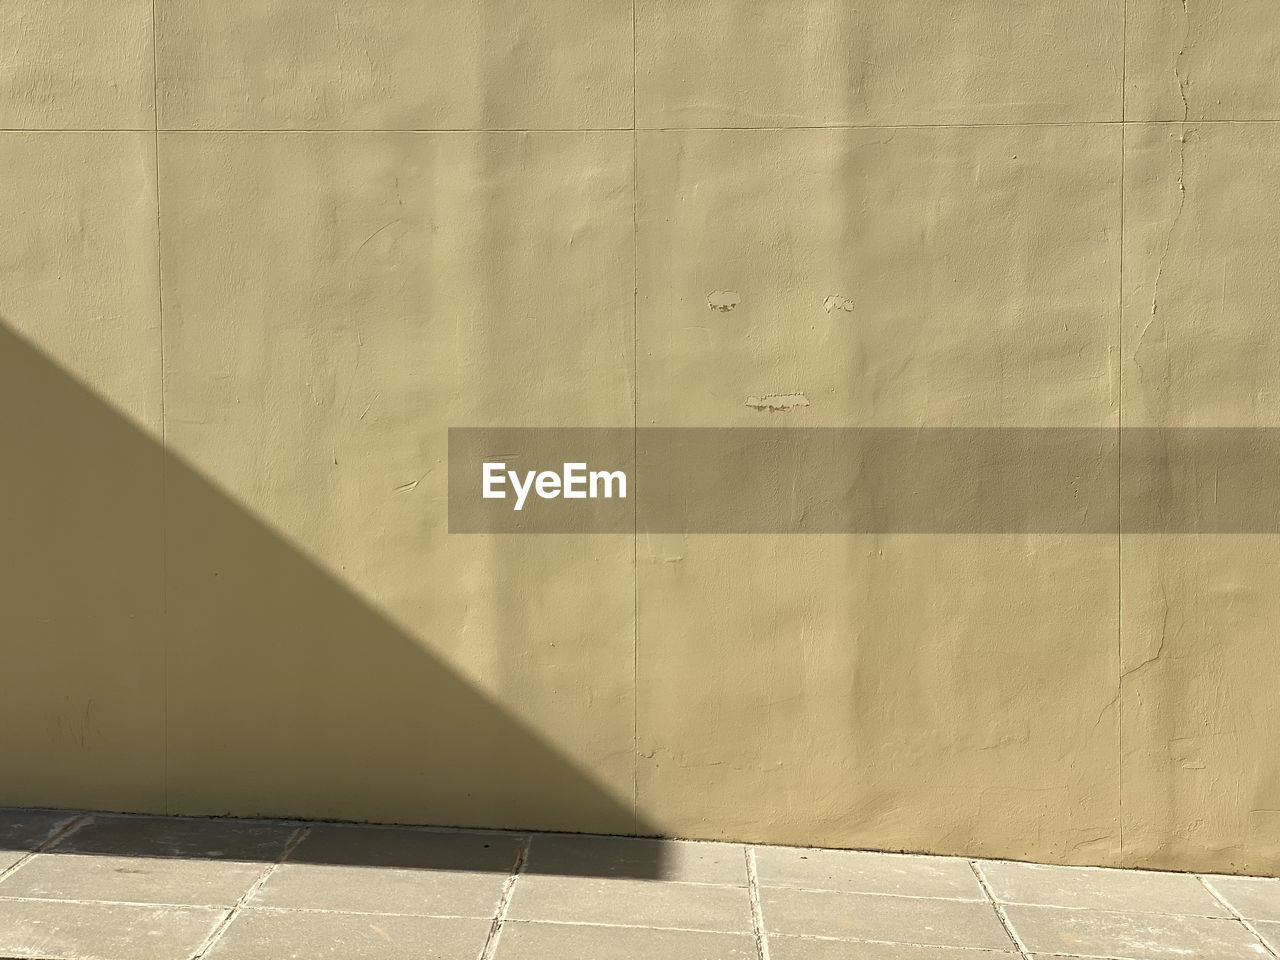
x=164 y=441
x=635 y=436
x=1124 y=92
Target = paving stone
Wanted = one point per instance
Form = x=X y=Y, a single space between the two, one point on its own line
x=409 y=848
x=640 y=903
x=278 y=935
x=221 y=839
x=539 y=941
x=1130 y=936
x=102 y=931
x=69 y=876
x=1257 y=898
x=853 y=871
x=803 y=948
x=394 y=870
x=853 y=916
x=638 y=859
x=153 y=888
x=438 y=893
x=1096 y=889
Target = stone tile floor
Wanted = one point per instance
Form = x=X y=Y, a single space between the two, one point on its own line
x=107 y=887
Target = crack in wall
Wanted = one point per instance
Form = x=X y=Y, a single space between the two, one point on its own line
x=1183 y=82
x=1179 y=75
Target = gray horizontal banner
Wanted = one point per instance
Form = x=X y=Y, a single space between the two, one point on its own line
x=864 y=480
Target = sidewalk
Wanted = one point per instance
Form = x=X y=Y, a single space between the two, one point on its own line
x=103 y=887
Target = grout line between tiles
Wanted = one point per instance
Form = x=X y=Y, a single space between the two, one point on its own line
x=714 y=886
x=663 y=880
x=348 y=912
x=757 y=910
x=97 y=901
x=1083 y=956
x=1042 y=955
x=824 y=938
x=999 y=909
x=990 y=898
x=629 y=926
x=69 y=828
x=504 y=901
x=1122 y=913
x=1248 y=924
x=792 y=888
x=244 y=908
x=221 y=927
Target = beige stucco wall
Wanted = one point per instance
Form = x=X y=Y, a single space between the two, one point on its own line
x=256 y=256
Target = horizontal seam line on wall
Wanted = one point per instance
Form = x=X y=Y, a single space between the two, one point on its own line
x=726 y=129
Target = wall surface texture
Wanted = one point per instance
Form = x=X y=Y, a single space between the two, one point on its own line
x=256 y=256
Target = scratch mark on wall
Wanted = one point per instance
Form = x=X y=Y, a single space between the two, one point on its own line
x=1158 y=655
x=778 y=401
x=1179 y=75
x=1183 y=82
x=366 y=240
x=412 y=484
x=723 y=300
x=1164 y=257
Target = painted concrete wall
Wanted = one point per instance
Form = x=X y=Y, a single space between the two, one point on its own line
x=256 y=256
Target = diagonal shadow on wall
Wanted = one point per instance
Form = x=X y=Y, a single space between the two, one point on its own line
x=317 y=704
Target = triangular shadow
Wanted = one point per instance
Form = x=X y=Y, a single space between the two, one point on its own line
x=269 y=689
